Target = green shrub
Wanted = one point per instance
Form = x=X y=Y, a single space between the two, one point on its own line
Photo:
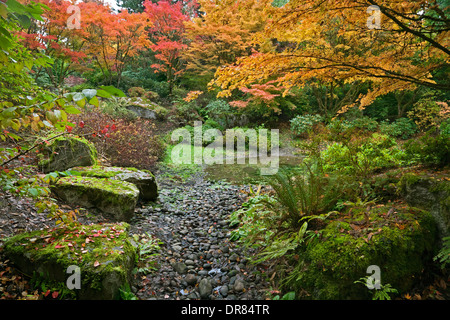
x=445 y=129
x=431 y=149
x=115 y=108
x=151 y=95
x=161 y=112
x=363 y=156
x=220 y=111
x=136 y=92
x=401 y=128
x=429 y=114
x=364 y=123
x=303 y=125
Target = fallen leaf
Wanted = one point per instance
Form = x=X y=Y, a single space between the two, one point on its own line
x=96 y=263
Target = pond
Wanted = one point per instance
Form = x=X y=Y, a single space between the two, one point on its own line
x=246 y=173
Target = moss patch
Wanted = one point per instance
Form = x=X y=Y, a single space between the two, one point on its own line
x=103 y=253
x=143 y=179
x=400 y=240
x=115 y=198
x=431 y=192
x=66 y=152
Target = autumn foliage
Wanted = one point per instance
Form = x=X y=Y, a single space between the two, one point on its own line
x=330 y=41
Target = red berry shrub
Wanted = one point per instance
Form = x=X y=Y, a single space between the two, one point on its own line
x=122 y=142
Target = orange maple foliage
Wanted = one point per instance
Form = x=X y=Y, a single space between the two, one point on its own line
x=113 y=39
x=329 y=41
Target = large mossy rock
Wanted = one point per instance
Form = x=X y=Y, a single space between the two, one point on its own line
x=143 y=179
x=104 y=254
x=400 y=241
x=431 y=193
x=116 y=199
x=67 y=152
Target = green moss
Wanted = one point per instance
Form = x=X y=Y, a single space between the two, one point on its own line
x=52 y=150
x=99 y=251
x=115 y=198
x=112 y=186
x=106 y=172
x=399 y=243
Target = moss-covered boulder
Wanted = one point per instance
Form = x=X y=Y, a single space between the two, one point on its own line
x=143 y=179
x=430 y=192
x=67 y=152
x=104 y=254
x=400 y=240
x=116 y=199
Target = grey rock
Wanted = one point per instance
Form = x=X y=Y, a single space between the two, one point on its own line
x=205 y=288
x=179 y=267
x=224 y=290
x=189 y=262
x=238 y=285
x=190 y=279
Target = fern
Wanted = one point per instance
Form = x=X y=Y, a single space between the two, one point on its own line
x=299 y=196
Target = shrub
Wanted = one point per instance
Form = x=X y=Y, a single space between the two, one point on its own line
x=445 y=129
x=431 y=149
x=186 y=112
x=428 y=114
x=402 y=128
x=364 y=123
x=161 y=112
x=303 y=125
x=151 y=95
x=136 y=92
x=115 y=108
x=122 y=142
x=363 y=156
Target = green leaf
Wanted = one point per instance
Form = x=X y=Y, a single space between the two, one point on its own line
x=114 y=91
x=3 y=10
x=81 y=103
x=33 y=192
x=72 y=110
x=94 y=101
x=15 y=6
x=103 y=94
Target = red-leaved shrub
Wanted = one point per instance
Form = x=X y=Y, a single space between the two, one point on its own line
x=123 y=143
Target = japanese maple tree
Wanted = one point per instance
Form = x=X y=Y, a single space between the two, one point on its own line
x=52 y=36
x=329 y=41
x=113 y=39
x=167 y=35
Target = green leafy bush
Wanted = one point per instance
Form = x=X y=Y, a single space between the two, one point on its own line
x=402 y=128
x=445 y=129
x=429 y=114
x=220 y=111
x=364 y=123
x=115 y=108
x=136 y=92
x=303 y=125
x=363 y=156
x=431 y=149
